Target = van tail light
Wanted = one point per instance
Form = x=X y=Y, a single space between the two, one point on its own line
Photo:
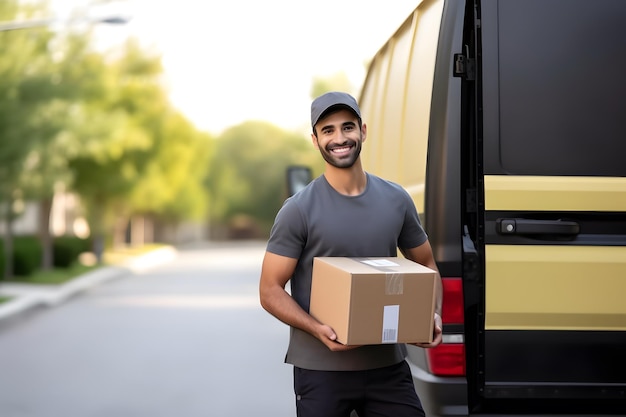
x=452 y=311
x=448 y=359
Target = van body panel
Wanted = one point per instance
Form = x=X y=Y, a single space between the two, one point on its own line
x=540 y=287
x=396 y=102
x=551 y=193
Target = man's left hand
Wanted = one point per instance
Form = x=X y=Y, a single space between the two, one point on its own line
x=437 y=335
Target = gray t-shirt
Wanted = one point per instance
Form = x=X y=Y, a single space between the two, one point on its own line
x=319 y=221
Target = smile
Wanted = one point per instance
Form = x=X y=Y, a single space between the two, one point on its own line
x=341 y=150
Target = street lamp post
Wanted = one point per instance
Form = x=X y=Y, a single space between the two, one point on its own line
x=35 y=23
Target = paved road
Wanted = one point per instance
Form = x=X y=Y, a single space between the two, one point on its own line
x=185 y=339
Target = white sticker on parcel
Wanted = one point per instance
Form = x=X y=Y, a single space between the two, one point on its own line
x=391 y=316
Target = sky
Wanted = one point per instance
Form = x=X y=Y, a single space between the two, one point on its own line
x=230 y=61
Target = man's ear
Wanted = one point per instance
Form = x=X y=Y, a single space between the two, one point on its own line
x=314 y=140
x=363 y=132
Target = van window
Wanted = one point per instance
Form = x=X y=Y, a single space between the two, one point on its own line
x=561 y=95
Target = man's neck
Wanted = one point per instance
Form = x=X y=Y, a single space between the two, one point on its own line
x=347 y=181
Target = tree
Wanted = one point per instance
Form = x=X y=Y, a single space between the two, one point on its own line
x=23 y=90
x=138 y=155
x=177 y=171
x=335 y=82
x=247 y=172
x=98 y=124
x=103 y=168
x=46 y=168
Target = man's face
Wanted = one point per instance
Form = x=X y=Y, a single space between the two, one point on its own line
x=339 y=138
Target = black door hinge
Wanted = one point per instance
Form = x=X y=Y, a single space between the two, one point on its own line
x=464 y=66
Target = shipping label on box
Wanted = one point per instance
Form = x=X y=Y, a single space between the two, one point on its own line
x=374 y=300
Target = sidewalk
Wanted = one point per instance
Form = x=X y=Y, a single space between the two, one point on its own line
x=27 y=297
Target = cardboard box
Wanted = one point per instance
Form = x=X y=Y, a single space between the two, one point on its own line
x=374 y=300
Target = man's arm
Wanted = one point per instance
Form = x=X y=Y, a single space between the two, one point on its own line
x=275 y=273
x=423 y=255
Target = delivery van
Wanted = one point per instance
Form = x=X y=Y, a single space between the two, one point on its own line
x=506 y=122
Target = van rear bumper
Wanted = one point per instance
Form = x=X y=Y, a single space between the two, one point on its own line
x=447 y=397
x=440 y=396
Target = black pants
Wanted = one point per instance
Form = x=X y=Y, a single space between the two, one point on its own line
x=383 y=392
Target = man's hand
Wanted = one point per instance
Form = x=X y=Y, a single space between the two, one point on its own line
x=437 y=334
x=327 y=335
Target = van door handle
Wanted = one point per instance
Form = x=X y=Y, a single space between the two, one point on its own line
x=536 y=227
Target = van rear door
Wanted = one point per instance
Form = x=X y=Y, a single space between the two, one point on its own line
x=545 y=187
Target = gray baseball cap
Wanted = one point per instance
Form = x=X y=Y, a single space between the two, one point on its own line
x=325 y=102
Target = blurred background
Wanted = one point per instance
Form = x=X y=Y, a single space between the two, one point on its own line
x=157 y=136
x=126 y=123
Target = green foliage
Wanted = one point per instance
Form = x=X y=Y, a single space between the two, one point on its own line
x=33 y=107
x=100 y=125
x=188 y=197
x=336 y=82
x=24 y=81
x=67 y=249
x=26 y=255
x=56 y=276
x=144 y=155
x=247 y=173
x=2 y=259
x=176 y=170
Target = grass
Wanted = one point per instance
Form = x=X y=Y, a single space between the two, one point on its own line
x=56 y=276
x=61 y=275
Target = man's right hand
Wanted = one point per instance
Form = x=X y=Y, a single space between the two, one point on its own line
x=329 y=338
x=275 y=273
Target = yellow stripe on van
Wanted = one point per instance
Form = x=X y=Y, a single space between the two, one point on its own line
x=555 y=287
x=524 y=193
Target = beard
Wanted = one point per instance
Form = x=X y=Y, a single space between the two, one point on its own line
x=342 y=161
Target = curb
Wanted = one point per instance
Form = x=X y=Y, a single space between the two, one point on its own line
x=28 y=297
